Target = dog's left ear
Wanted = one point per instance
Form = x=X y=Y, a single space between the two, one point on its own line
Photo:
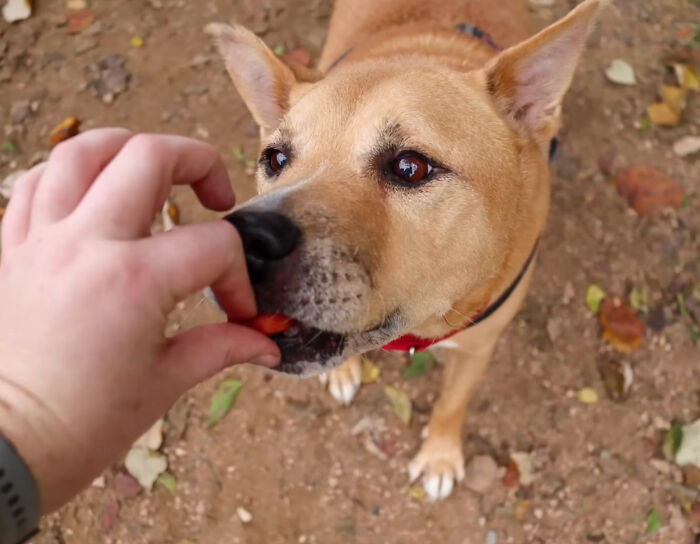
x=263 y=80
x=529 y=81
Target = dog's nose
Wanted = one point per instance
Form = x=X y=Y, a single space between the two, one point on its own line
x=267 y=237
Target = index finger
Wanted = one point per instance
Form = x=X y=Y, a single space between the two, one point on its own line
x=133 y=187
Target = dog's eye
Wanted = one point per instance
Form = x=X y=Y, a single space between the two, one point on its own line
x=276 y=160
x=411 y=167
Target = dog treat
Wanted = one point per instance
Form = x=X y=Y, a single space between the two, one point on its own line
x=269 y=324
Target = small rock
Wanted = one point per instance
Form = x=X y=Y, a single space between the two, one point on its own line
x=569 y=293
x=98 y=482
x=83 y=44
x=111 y=78
x=244 y=515
x=619 y=71
x=491 y=537
x=687 y=145
x=76 y=5
x=608 y=162
x=661 y=466
x=481 y=473
x=554 y=329
x=200 y=61
x=20 y=112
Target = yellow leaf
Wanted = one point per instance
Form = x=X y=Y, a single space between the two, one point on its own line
x=417 y=492
x=521 y=509
x=400 y=403
x=687 y=76
x=674 y=98
x=370 y=371
x=136 y=41
x=587 y=395
x=662 y=114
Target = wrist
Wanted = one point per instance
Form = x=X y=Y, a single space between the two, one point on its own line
x=20 y=507
x=25 y=425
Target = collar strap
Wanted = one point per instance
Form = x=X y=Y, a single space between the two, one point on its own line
x=412 y=343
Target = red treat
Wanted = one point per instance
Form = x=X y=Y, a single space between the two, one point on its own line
x=269 y=324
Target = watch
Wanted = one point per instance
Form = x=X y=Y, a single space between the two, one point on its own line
x=20 y=508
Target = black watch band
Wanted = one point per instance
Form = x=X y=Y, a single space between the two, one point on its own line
x=20 y=508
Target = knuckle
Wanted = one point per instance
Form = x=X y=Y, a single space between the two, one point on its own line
x=150 y=146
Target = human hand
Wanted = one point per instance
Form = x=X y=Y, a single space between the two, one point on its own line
x=85 y=292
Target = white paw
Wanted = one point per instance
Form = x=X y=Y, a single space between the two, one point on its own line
x=344 y=382
x=441 y=464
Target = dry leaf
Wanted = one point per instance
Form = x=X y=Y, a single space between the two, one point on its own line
x=688 y=145
x=689 y=451
x=145 y=465
x=521 y=509
x=621 y=326
x=617 y=377
x=674 y=97
x=621 y=72
x=648 y=190
x=526 y=471
x=399 y=402
x=79 y=20
x=110 y=514
x=126 y=485
x=661 y=114
x=152 y=439
x=64 y=130
x=687 y=76
x=417 y=492
x=370 y=371
x=587 y=395
x=17 y=10
x=594 y=297
x=512 y=476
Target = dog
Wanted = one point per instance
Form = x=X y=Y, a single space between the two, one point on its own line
x=404 y=184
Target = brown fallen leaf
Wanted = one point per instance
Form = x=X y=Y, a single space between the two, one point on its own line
x=299 y=56
x=64 y=130
x=79 y=20
x=648 y=190
x=621 y=326
x=512 y=476
x=126 y=485
x=110 y=514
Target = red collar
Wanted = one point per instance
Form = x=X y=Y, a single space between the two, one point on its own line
x=411 y=343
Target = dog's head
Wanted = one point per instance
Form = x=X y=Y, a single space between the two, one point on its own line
x=395 y=192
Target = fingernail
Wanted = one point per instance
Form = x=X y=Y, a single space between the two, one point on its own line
x=266 y=360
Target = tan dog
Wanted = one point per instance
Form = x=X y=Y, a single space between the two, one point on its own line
x=404 y=184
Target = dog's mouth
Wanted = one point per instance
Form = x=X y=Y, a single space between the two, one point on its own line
x=307 y=350
x=304 y=347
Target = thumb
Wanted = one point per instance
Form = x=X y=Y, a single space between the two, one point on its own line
x=197 y=354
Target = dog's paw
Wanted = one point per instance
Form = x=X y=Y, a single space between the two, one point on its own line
x=441 y=463
x=344 y=382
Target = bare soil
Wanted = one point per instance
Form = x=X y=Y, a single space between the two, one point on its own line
x=285 y=452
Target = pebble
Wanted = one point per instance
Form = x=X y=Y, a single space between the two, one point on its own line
x=481 y=473
x=244 y=515
x=491 y=537
x=76 y=5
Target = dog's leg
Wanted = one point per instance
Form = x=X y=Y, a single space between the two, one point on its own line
x=344 y=381
x=440 y=459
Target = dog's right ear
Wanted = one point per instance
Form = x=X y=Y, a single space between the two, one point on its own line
x=262 y=79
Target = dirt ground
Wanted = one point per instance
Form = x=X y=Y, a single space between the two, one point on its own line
x=286 y=452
